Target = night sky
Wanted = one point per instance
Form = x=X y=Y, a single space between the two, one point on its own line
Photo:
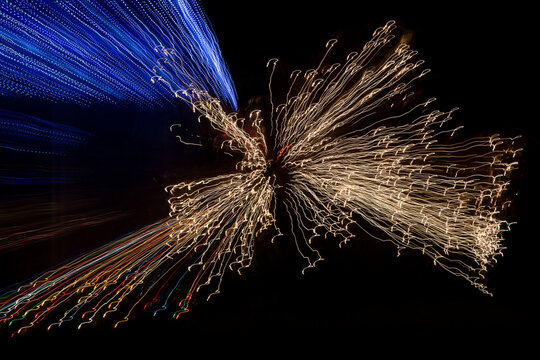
x=481 y=61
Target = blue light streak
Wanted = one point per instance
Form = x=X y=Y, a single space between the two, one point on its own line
x=87 y=51
x=29 y=134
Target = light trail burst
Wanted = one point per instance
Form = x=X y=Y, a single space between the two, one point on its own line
x=89 y=52
x=351 y=148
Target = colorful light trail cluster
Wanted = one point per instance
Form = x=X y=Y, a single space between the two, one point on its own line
x=21 y=235
x=353 y=149
x=212 y=227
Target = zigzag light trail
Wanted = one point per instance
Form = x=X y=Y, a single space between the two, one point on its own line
x=350 y=143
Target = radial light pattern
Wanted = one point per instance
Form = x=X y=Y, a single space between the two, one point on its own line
x=89 y=51
x=353 y=148
x=356 y=147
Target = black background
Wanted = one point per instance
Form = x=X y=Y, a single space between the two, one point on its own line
x=482 y=61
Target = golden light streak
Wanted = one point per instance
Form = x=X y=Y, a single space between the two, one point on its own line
x=354 y=148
